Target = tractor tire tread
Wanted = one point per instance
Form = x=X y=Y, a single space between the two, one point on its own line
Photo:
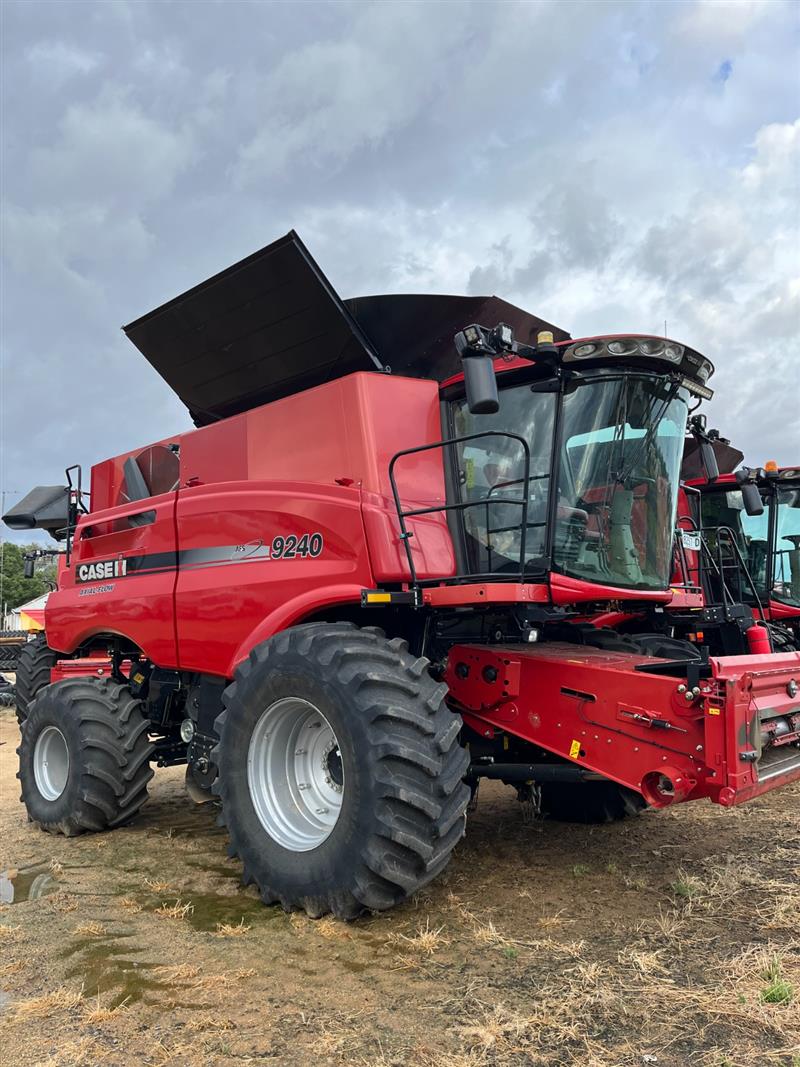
x=34 y=663
x=111 y=730
x=414 y=757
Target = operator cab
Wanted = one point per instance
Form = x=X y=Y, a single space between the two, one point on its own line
x=576 y=468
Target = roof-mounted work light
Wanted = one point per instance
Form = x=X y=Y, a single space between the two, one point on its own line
x=694 y=368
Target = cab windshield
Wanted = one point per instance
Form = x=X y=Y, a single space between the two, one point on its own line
x=616 y=480
x=786 y=568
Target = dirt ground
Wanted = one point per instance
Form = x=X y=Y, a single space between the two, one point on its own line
x=671 y=940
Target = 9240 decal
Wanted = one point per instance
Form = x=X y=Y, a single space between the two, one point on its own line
x=290 y=547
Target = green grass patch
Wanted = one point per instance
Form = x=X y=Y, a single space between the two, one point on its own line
x=777 y=990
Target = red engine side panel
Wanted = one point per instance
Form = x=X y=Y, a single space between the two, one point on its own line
x=235 y=589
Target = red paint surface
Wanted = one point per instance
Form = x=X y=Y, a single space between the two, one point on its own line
x=529 y=699
x=314 y=462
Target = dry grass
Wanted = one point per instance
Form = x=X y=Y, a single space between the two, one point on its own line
x=499 y=1027
x=209 y=1021
x=332 y=929
x=9 y=935
x=181 y=972
x=178 y=910
x=469 y=1058
x=156 y=885
x=232 y=929
x=668 y=924
x=161 y=1053
x=554 y=921
x=644 y=962
x=83 y=1052
x=604 y=975
x=62 y=902
x=339 y=1034
x=90 y=929
x=53 y=1003
x=424 y=942
x=769 y=975
x=300 y=922
x=95 y=1012
x=213 y=981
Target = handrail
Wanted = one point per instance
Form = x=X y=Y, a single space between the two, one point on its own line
x=742 y=569
x=406 y=535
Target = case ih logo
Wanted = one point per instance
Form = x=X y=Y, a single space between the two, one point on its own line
x=95 y=572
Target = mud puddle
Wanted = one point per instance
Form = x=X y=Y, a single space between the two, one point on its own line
x=105 y=967
x=19 y=885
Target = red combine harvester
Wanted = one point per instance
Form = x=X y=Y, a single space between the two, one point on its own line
x=351 y=593
x=752 y=520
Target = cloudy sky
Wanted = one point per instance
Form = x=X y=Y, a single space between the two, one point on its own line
x=607 y=165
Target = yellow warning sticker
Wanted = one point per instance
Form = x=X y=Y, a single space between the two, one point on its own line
x=714 y=711
x=574 y=750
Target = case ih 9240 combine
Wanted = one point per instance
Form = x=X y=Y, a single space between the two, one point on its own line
x=350 y=594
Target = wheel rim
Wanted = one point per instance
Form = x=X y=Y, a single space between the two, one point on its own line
x=51 y=763
x=295 y=774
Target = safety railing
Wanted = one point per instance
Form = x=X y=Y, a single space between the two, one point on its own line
x=463 y=505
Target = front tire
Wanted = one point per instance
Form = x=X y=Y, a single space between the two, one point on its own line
x=340 y=770
x=84 y=757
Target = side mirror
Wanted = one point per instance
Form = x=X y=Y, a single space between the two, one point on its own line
x=481 y=385
x=709 y=457
x=751 y=498
x=28 y=566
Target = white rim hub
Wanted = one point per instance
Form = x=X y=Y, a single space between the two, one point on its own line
x=295 y=774
x=51 y=763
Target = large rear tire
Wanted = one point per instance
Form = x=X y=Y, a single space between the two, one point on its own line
x=34 y=664
x=340 y=770
x=84 y=757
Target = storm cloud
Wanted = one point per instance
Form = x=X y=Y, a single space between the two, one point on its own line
x=607 y=165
